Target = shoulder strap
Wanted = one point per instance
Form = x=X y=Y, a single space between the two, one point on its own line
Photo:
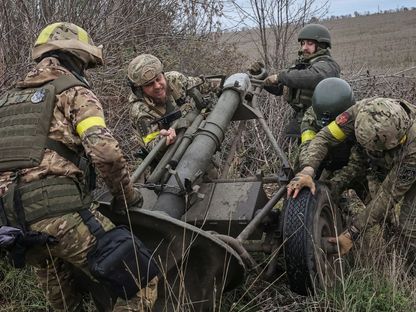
x=91 y=222
x=65 y=82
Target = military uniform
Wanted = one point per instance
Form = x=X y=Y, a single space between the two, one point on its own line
x=78 y=123
x=345 y=164
x=144 y=111
x=302 y=77
x=394 y=165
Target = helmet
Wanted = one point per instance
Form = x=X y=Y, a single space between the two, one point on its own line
x=143 y=69
x=381 y=124
x=70 y=38
x=331 y=97
x=315 y=32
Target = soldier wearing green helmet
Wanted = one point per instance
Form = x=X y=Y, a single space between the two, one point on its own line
x=332 y=96
x=313 y=65
x=386 y=130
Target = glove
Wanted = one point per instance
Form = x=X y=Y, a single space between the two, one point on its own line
x=256 y=68
x=118 y=204
x=298 y=182
x=344 y=242
x=270 y=81
x=170 y=135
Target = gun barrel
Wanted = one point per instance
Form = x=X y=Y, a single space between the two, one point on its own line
x=207 y=141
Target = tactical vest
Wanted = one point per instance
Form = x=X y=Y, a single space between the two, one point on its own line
x=301 y=99
x=25 y=118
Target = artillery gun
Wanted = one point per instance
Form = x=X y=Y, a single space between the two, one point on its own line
x=203 y=231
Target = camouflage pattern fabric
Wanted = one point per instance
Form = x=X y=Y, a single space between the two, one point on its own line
x=143 y=110
x=385 y=132
x=350 y=163
x=75 y=241
x=73 y=107
x=398 y=164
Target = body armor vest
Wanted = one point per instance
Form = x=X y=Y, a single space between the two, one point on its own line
x=301 y=99
x=25 y=117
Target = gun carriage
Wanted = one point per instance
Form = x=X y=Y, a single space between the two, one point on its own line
x=204 y=230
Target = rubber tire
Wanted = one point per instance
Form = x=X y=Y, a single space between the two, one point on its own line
x=307 y=219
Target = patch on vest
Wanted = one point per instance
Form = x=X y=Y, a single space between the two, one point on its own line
x=342 y=119
x=38 y=96
x=407 y=173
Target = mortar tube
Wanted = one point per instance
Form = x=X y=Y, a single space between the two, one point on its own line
x=197 y=157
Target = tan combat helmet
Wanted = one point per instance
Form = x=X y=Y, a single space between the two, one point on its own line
x=68 y=37
x=143 y=69
x=381 y=124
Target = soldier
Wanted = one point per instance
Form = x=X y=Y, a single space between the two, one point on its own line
x=332 y=96
x=313 y=65
x=155 y=94
x=53 y=129
x=385 y=128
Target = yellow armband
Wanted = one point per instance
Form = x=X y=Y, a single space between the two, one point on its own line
x=89 y=122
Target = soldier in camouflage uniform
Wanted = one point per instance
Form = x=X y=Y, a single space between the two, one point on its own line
x=332 y=96
x=155 y=94
x=386 y=129
x=54 y=189
x=313 y=65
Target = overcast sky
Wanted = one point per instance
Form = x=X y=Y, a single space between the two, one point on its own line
x=232 y=19
x=344 y=7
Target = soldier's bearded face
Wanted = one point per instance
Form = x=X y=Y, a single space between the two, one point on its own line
x=308 y=47
x=156 y=89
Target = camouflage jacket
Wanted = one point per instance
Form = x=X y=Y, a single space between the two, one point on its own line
x=302 y=78
x=143 y=111
x=72 y=107
x=337 y=158
x=396 y=168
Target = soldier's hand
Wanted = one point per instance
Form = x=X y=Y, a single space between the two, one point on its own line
x=120 y=203
x=170 y=135
x=137 y=199
x=344 y=241
x=270 y=81
x=299 y=182
x=256 y=68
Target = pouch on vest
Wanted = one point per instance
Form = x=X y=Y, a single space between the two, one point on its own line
x=25 y=118
x=119 y=259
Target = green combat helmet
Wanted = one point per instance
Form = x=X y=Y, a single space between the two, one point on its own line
x=381 y=125
x=143 y=69
x=331 y=97
x=70 y=38
x=315 y=32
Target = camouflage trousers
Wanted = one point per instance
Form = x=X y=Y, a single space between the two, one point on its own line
x=406 y=227
x=53 y=263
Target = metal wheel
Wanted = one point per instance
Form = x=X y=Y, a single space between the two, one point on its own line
x=308 y=221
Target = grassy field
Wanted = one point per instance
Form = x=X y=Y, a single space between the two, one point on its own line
x=380 y=43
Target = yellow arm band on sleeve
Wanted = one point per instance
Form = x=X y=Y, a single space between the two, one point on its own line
x=89 y=122
x=150 y=137
x=307 y=136
x=336 y=131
